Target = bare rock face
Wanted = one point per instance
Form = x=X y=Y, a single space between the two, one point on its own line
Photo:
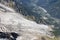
x=8 y=36
x=10 y=21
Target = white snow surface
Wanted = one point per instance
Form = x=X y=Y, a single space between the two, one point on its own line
x=7 y=8
x=15 y=22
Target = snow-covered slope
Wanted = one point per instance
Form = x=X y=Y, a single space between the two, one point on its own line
x=2 y=7
x=11 y=21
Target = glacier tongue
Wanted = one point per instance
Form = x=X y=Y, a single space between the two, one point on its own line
x=15 y=22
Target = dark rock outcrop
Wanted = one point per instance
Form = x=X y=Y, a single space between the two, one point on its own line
x=9 y=36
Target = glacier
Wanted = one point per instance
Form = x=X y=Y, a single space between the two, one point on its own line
x=11 y=21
